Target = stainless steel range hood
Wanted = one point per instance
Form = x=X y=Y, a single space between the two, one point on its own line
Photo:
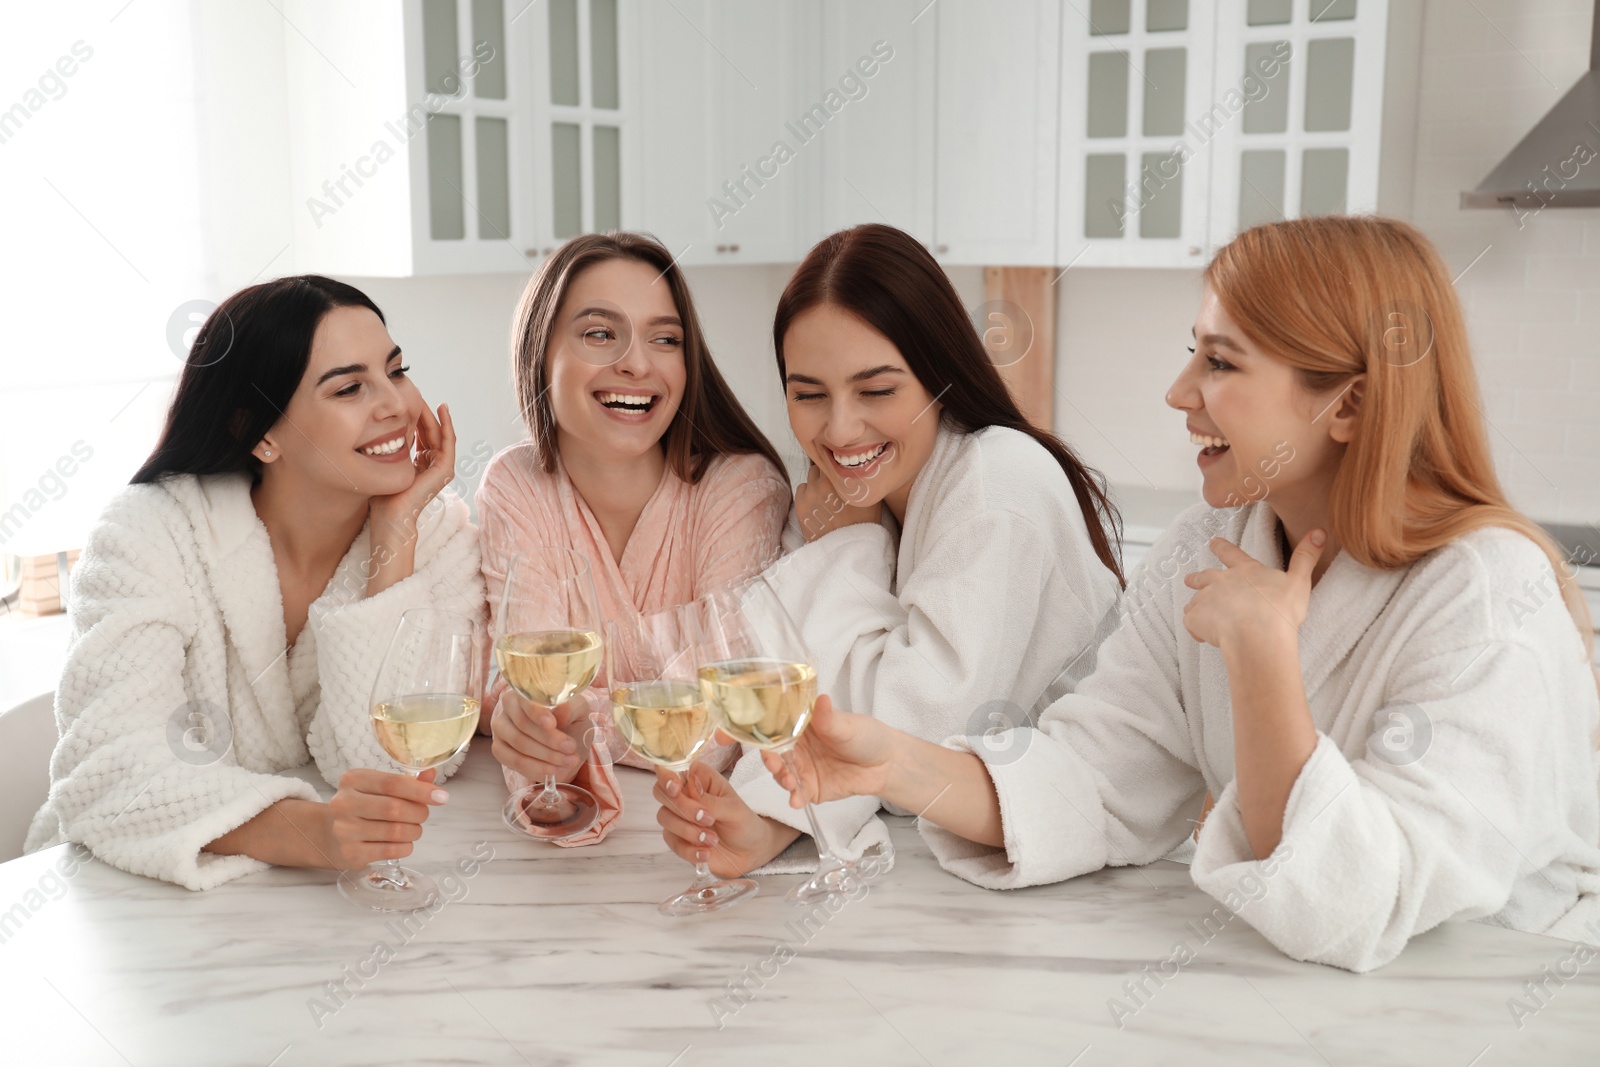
x=1558 y=163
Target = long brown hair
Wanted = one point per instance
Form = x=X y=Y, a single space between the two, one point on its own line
x=887 y=279
x=709 y=422
x=1371 y=296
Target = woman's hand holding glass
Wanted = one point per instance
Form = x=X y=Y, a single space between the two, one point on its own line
x=535 y=741
x=704 y=820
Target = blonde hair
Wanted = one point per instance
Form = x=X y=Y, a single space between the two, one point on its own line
x=1372 y=297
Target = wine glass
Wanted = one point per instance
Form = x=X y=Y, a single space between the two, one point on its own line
x=424 y=709
x=548 y=649
x=652 y=667
x=758 y=678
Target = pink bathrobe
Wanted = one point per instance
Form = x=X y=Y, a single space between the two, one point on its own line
x=689 y=539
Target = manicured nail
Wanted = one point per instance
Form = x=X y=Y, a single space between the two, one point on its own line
x=672 y=789
x=700 y=856
x=702 y=838
x=701 y=816
x=569 y=746
x=438 y=796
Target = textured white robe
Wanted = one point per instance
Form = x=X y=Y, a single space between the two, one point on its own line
x=991 y=603
x=177 y=618
x=1455 y=775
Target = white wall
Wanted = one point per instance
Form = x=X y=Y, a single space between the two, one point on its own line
x=1533 y=300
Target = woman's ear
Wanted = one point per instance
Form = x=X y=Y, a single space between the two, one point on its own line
x=1346 y=410
x=266 y=450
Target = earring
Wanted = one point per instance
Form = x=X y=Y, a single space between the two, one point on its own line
x=266 y=452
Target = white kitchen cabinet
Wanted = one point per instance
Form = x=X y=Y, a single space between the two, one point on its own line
x=877 y=158
x=1184 y=121
x=956 y=139
x=454 y=136
x=1137 y=78
x=728 y=158
x=998 y=69
x=1335 y=132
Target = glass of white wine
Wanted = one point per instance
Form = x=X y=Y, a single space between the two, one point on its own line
x=424 y=709
x=652 y=667
x=548 y=649
x=758 y=679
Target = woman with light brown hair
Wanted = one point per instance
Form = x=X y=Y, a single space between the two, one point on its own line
x=639 y=458
x=1379 y=668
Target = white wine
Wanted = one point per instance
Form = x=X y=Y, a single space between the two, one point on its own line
x=762 y=702
x=548 y=666
x=426 y=729
x=665 y=722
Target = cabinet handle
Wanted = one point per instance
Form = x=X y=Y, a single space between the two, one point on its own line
x=532 y=253
x=942 y=249
x=733 y=248
x=1194 y=250
x=722 y=248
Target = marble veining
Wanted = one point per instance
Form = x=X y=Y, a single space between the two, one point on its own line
x=553 y=956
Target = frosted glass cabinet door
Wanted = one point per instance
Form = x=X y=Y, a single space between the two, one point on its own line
x=580 y=149
x=1309 y=137
x=1135 y=132
x=466 y=79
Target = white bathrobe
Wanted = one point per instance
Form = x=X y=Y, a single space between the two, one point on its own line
x=992 y=603
x=1454 y=777
x=177 y=619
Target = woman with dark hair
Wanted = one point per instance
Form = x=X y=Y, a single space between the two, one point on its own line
x=953 y=568
x=232 y=604
x=639 y=458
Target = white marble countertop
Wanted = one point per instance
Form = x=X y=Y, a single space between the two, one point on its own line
x=559 y=956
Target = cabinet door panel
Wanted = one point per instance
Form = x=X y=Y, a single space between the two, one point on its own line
x=997 y=145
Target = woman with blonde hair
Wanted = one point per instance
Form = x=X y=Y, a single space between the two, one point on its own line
x=639 y=458
x=1350 y=664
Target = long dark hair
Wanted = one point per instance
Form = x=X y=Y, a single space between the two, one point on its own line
x=244 y=365
x=709 y=421
x=887 y=279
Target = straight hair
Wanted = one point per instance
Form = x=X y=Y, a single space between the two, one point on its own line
x=884 y=277
x=709 y=422
x=245 y=364
x=1372 y=297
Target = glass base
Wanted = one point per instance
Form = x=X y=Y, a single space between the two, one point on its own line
x=378 y=887
x=701 y=898
x=528 y=814
x=845 y=880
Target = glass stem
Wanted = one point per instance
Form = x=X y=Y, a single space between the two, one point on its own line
x=551 y=795
x=825 y=857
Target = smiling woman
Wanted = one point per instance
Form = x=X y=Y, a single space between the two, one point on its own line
x=639 y=458
x=233 y=603
x=953 y=568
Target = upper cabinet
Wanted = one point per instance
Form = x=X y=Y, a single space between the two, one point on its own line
x=727 y=164
x=435 y=136
x=1184 y=122
x=1137 y=82
x=997 y=76
x=951 y=131
x=454 y=136
x=1328 y=121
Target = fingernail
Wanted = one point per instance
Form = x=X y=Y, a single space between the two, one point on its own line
x=700 y=856
x=1318 y=537
x=701 y=816
x=569 y=747
x=702 y=838
x=439 y=796
x=672 y=789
